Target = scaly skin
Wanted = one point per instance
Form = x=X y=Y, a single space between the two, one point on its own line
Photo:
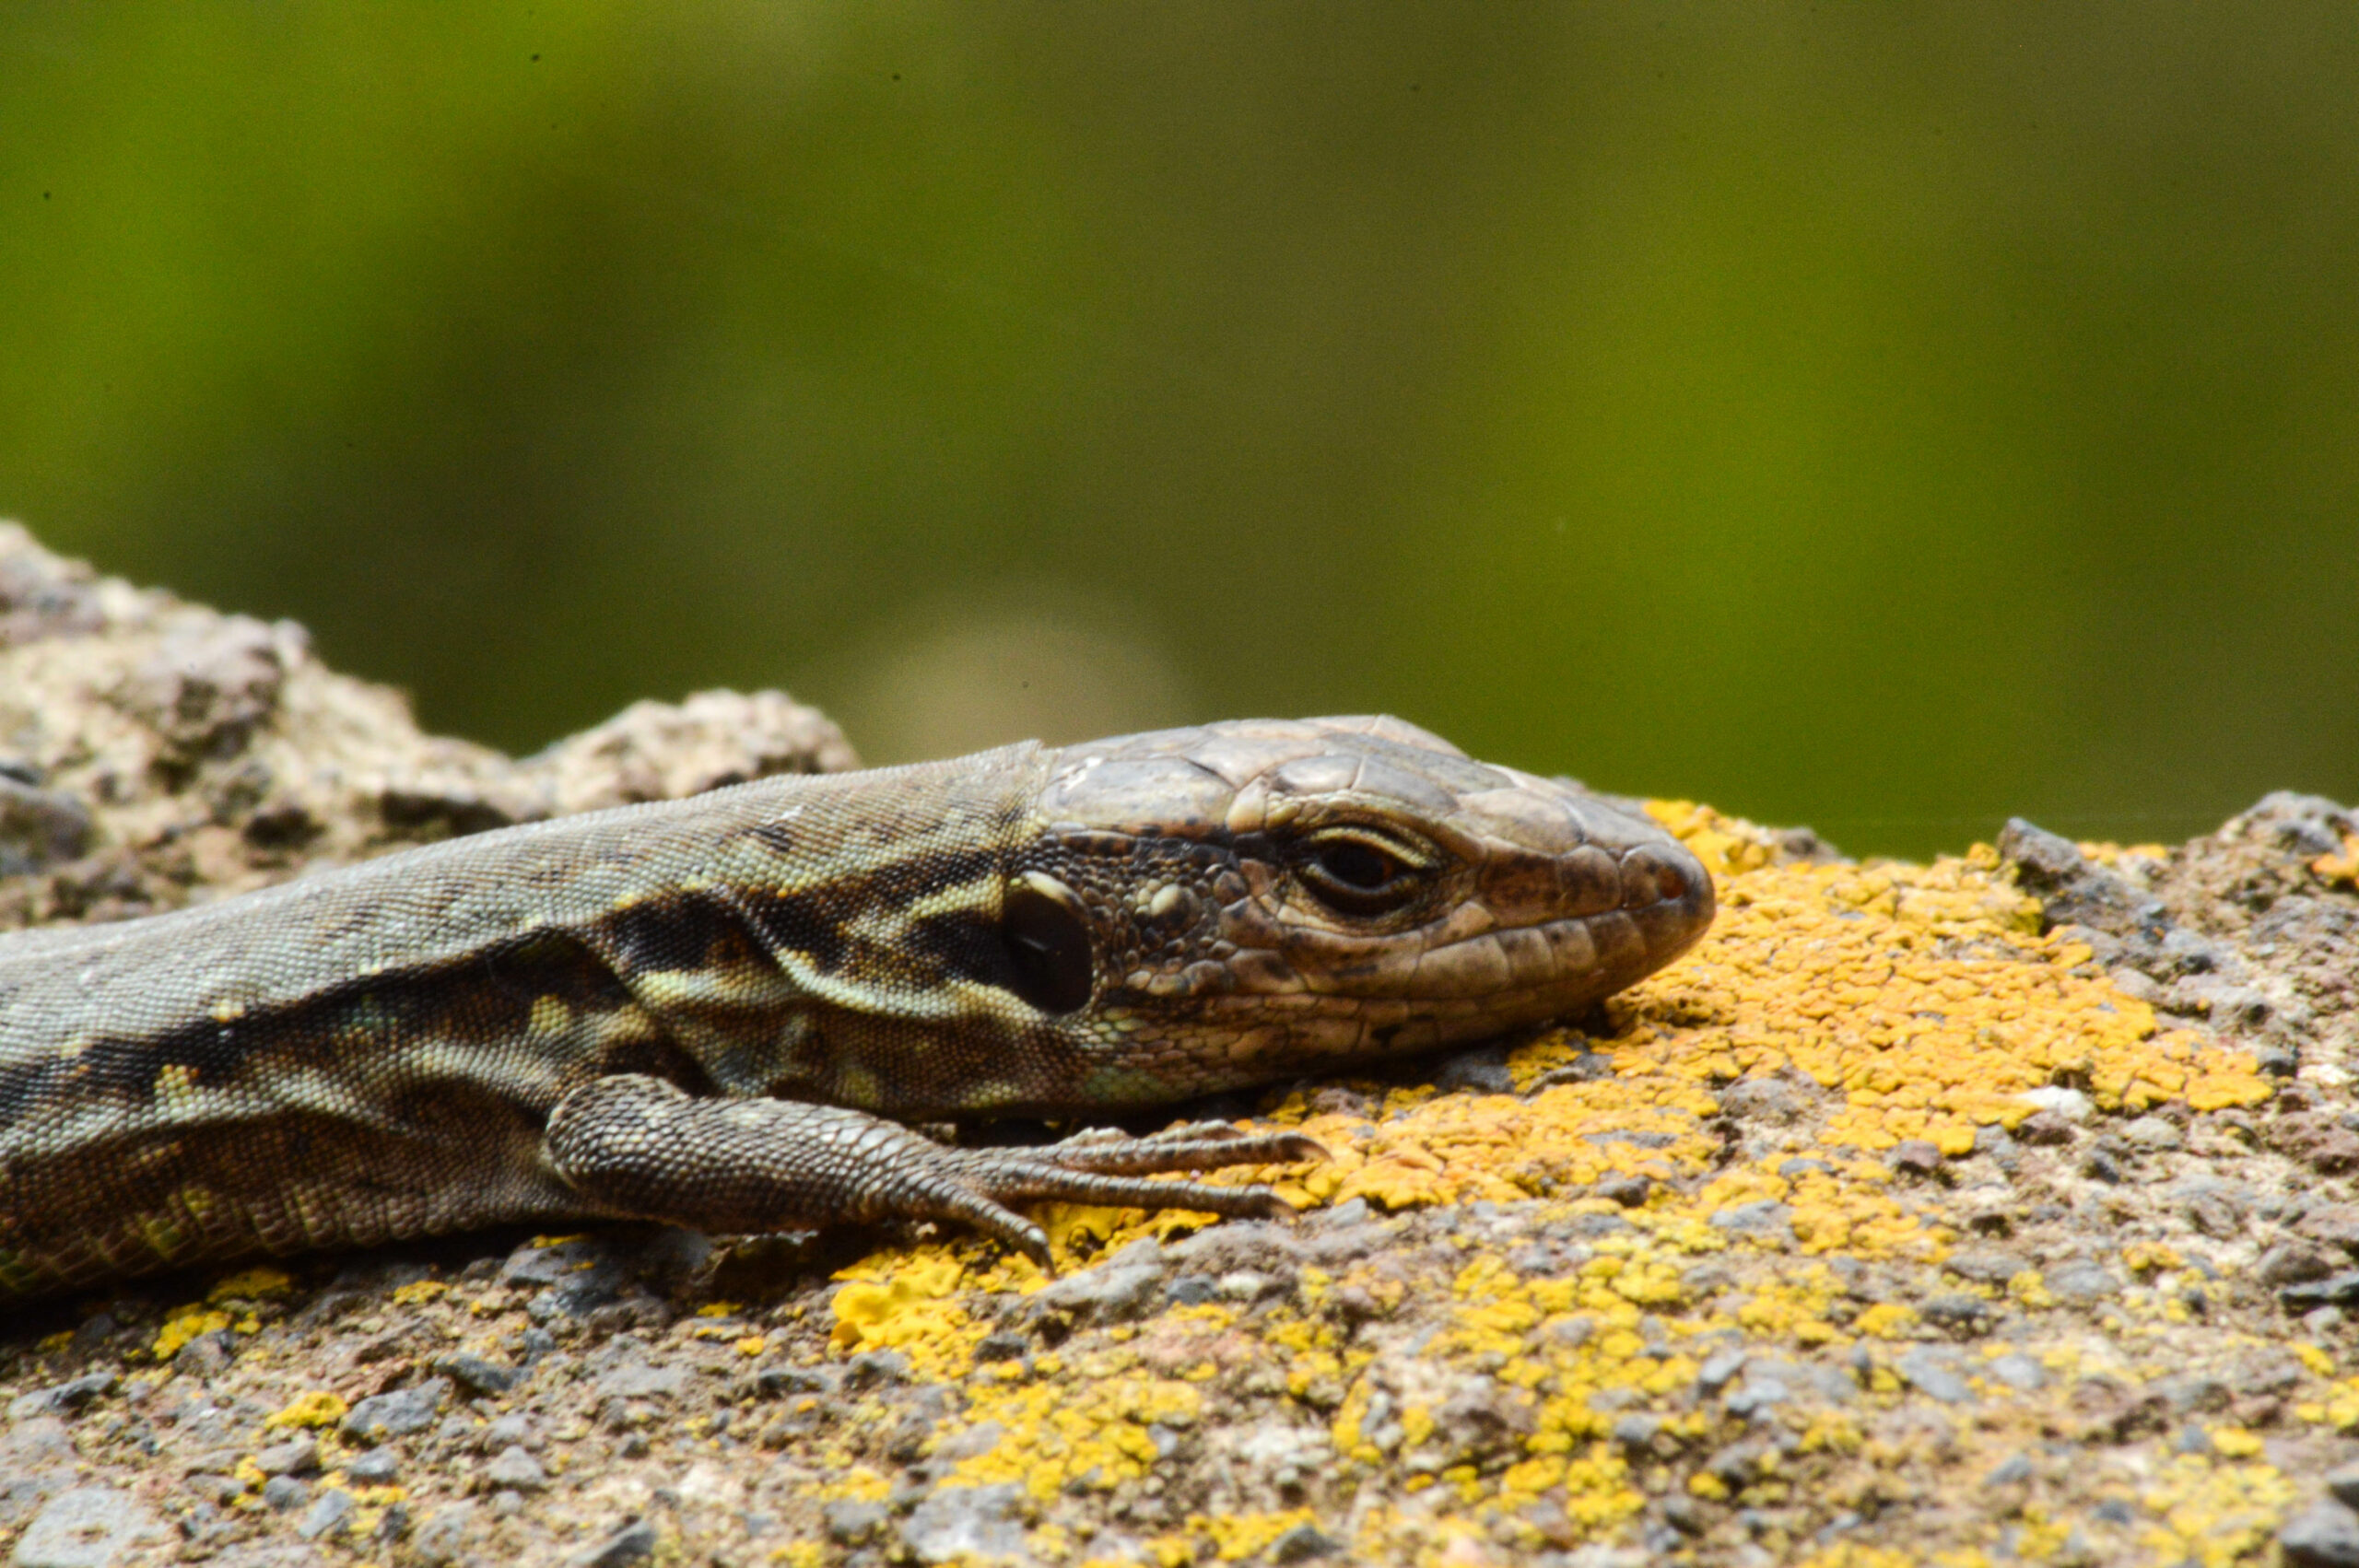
x=719 y=1011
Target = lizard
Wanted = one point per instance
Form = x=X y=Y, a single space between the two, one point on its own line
x=740 y=1011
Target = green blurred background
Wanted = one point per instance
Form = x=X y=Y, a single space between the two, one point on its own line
x=1888 y=418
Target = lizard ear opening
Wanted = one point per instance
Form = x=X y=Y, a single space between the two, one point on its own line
x=1048 y=944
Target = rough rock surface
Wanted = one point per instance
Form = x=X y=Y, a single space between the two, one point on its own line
x=1994 y=1210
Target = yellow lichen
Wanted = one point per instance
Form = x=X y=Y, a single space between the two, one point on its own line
x=317 y=1408
x=252 y=1284
x=182 y=1324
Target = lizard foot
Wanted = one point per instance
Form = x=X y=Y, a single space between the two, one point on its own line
x=642 y=1148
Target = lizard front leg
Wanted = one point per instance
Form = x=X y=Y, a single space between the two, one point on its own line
x=641 y=1148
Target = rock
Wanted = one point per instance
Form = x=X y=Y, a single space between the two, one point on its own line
x=2046 y=1128
x=2014 y=1471
x=1916 y=1157
x=1303 y=1543
x=374 y=1467
x=854 y=1524
x=1956 y=1311
x=2075 y=890
x=286 y=1493
x=2153 y=1132
x=327 y=1516
x=38 y=828
x=297 y=1455
x=640 y=1380
x=1763 y=1220
x=1931 y=1374
x=2081 y=1282
x=2335 y=1290
x=2343 y=1485
x=874 y=1369
x=90 y=1527
x=2331 y=1225
x=2324 y=1535
x=445 y=1532
x=1114 y=1292
x=68 y=1396
x=635 y=1542
x=967 y=1521
x=2018 y=1371
x=1483 y=1071
x=397 y=1414
x=515 y=1469
x=2291 y=1263
x=1985 y=1265
x=477 y=1375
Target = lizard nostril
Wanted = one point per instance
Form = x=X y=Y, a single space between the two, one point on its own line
x=1671 y=881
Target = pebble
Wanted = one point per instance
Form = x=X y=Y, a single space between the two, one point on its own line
x=2324 y=1535
x=1930 y=1374
x=2081 y=1282
x=90 y=1527
x=635 y=1542
x=516 y=1468
x=374 y=1466
x=397 y=1414
x=967 y=1521
x=328 y=1516
x=1302 y=1543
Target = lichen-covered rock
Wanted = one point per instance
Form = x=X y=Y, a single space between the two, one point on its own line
x=2003 y=1209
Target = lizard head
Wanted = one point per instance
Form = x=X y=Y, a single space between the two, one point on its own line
x=1160 y=915
x=1204 y=908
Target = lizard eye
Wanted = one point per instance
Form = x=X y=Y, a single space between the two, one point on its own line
x=1355 y=872
x=1048 y=944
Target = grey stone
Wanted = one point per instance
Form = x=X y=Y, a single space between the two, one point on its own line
x=1763 y=1220
x=2014 y=1471
x=2018 y=1371
x=445 y=1531
x=297 y=1455
x=285 y=1493
x=515 y=1469
x=1302 y=1543
x=640 y=1380
x=1916 y=1156
x=1931 y=1374
x=1985 y=1265
x=2343 y=1485
x=874 y=1369
x=38 y=828
x=515 y=1427
x=977 y=1440
x=1717 y=1370
x=68 y=1396
x=967 y=1521
x=1756 y=1395
x=2335 y=1290
x=90 y=1527
x=2324 y=1535
x=398 y=1414
x=635 y=1542
x=1636 y=1429
x=1114 y=1292
x=1483 y=1071
x=477 y=1375
x=1957 y=1311
x=374 y=1466
x=2081 y=1282
x=328 y=1516
x=852 y=1524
